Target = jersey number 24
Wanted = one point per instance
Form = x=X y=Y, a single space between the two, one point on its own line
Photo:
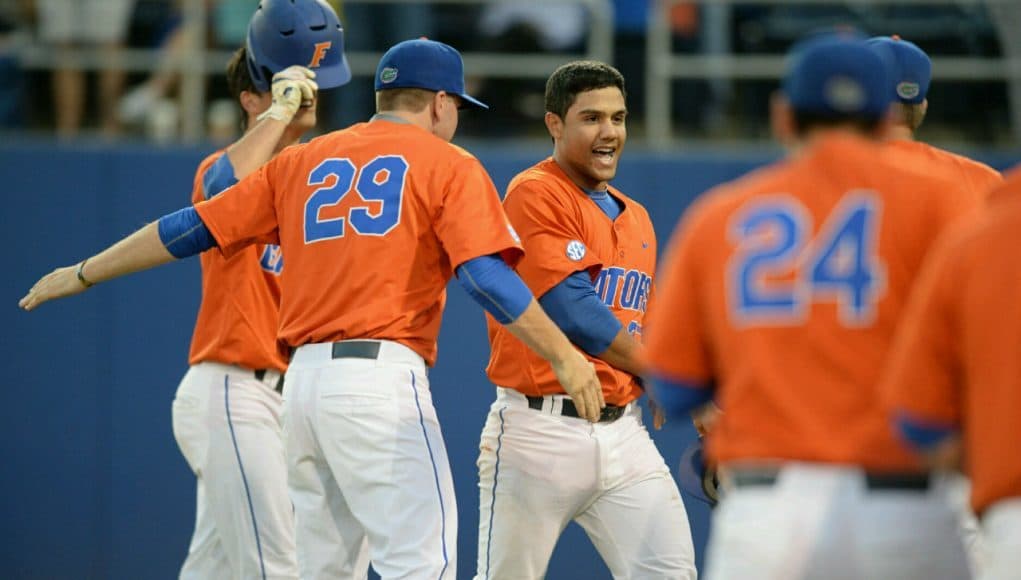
x=380 y=180
x=779 y=270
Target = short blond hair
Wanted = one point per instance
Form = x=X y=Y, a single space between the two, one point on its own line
x=913 y=115
x=411 y=100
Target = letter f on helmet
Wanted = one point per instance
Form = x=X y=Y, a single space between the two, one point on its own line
x=320 y=52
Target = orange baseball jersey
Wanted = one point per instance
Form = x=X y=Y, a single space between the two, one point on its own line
x=977 y=178
x=784 y=289
x=373 y=219
x=957 y=357
x=237 y=320
x=563 y=232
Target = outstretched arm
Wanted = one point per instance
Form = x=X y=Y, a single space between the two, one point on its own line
x=177 y=235
x=139 y=251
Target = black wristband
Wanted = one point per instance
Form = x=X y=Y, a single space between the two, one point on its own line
x=81 y=276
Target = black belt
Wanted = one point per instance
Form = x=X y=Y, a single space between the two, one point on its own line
x=279 y=387
x=609 y=413
x=874 y=481
x=356 y=349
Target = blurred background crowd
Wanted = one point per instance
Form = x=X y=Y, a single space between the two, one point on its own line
x=153 y=69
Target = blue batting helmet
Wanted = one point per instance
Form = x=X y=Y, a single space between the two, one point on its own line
x=284 y=33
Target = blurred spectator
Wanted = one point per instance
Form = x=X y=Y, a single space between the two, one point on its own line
x=630 y=20
x=138 y=102
x=12 y=78
x=371 y=28
x=691 y=98
x=150 y=103
x=517 y=104
x=71 y=24
x=558 y=27
x=1006 y=17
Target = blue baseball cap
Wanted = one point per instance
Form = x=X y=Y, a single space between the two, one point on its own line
x=424 y=64
x=912 y=69
x=837 y=75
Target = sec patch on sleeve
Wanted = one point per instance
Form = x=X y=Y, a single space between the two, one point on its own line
x=575 y=250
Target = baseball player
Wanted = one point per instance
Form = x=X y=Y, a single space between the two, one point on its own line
x=912 y=72
x=781 y=294
x=910 y=86
x=954 y=367
x=591 y=258
x=226 y=413
x=373 y=220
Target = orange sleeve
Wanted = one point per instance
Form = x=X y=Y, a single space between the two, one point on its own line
x=243 y=214
x=551 y=235
x=923 y=368
x=984 y=179
x=955 y=203
x=471 y=222
x=677 y=346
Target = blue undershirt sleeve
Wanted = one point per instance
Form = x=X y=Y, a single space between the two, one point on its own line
x=184 y=234
x=922 y=435
x=576 y=308
x=679 y=398
x=491 y=283
x=218 y=177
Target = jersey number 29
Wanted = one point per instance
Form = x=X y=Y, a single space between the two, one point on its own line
x=778 y=270
x=380 y=180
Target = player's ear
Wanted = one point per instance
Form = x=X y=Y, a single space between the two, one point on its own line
x=253 y=103
x=436 y=107
x=554 y=124
x=781 y=120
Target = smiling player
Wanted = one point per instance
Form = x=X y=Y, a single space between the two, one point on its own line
x=590 y=255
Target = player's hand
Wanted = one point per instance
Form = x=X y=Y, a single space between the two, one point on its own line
x=705 y=418
x=57 y=284
x=293 y=88
x=658 y=415
x=578 y=377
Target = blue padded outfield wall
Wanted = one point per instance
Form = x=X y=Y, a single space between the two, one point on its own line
x=92 y=483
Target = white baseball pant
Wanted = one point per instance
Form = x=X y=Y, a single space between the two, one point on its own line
x=822 y=522
x=367 y=466
x=227 y=424
x=539 y=470
x=1001 y=524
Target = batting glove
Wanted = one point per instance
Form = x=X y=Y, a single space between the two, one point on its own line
x=291 y=87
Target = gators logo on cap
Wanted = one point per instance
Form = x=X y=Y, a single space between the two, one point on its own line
x=844 y=94
x=907 y=90
x=388 y=75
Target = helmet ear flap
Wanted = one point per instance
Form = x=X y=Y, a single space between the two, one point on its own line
x=260 y=74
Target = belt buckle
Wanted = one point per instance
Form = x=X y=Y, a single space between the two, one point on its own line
x=611 y=413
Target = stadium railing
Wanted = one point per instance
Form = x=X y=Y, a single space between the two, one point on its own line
x=198 y=61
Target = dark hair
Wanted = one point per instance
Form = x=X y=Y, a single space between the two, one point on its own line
x=239 y=80
x=576 y=77
x=805 y=121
